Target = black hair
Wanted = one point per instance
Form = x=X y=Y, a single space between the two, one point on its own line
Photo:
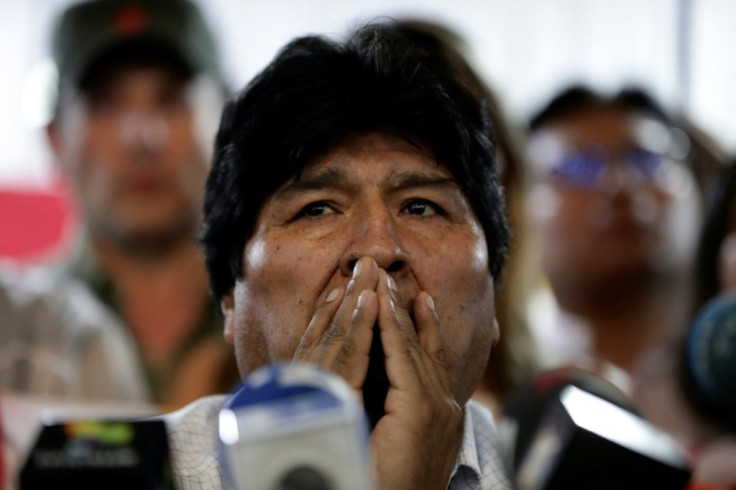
x=318 y=92
x=578 y=97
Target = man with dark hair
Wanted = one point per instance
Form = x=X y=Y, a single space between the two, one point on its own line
x=617 y=212
x=354 y=220
x=140 y=91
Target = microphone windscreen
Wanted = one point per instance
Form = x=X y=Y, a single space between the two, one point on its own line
x=294 y=426
x=709 y=367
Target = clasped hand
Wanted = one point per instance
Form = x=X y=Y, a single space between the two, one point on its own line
x=416 y=441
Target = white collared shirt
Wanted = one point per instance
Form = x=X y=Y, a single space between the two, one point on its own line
x=195 y=464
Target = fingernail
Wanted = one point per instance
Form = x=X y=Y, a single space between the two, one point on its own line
x=358 y=268
x=384 y=277
x=391 y=282
x=361 y=300
x=430 y=302
x=333 y=295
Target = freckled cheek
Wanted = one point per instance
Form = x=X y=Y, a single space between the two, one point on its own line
x=268 y=274
x=272 y=254
x=467 y=318
x=468 y=305
x=463 y=256
x=269 y=323
x=255 y=255
x=478 y=252
x=289 y=275
x=460 y=276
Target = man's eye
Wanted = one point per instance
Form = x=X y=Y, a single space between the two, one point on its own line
x=314 y=209
x=421 y=207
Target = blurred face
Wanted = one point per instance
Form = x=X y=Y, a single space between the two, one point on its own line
x=373 y=196
x=608 y=200
x=133 y=152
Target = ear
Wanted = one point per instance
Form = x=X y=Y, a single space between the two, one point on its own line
x=495 y=332
x=227 y=306
x=53 y=137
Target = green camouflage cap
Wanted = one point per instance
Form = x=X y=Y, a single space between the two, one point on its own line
x=87 y=30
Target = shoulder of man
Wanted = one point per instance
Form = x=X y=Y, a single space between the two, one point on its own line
x=67 y=342
x=195 y=464
x=48 y=298
x=480 y=464
x=192 y=435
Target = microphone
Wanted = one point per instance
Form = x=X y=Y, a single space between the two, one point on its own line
x=708 y=369
x=525 y=409
x=93 y=454
x=569 y=429
x=294 y=427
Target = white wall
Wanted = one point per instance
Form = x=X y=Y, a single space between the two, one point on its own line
x=526 y=48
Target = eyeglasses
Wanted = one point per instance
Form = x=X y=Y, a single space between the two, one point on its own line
x=587 y=169
x=655 y=157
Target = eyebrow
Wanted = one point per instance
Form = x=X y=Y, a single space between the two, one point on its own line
x=408 y=180
x=337 y=178
x=321 y=179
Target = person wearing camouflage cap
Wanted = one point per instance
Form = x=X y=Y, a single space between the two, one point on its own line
x=139 y=94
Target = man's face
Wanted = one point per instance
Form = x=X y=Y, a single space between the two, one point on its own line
x=132 y=152
x=372 y=196
x=608 y=206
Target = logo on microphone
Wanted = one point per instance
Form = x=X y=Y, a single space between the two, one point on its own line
x=91 y=444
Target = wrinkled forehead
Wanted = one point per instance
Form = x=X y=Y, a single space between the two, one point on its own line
x=379 y=148
x=605 y=124
x=379 y=158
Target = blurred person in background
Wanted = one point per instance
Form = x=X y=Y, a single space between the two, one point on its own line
x=514 y=358
x=664 y=393
x=139 y=96
x=140 y=93
x=616 y=212
x=56 y=340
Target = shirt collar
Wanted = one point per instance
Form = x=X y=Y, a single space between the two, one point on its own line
x=467 y=457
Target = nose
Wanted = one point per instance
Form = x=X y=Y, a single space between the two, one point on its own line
x=375 y=235
x=620 y=177
x=624 y=193
x=143 y=133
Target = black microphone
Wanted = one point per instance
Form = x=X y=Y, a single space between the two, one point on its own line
x=525 y=409
x=94 y=454
x=708 y=369
x=570 y=429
